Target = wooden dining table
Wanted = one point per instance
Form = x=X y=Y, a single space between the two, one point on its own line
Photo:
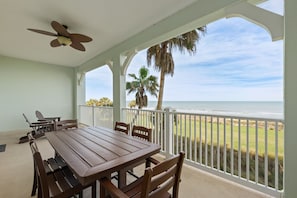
x=96 y=152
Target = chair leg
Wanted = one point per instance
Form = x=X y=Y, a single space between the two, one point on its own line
x=34 y=187
x=39 y=191
x=102 y=191
x=94 y=188
x=147 y=163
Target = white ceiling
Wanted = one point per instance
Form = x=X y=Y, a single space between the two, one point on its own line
x=108 y=22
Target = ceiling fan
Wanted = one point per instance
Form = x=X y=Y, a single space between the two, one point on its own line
x=64 y=38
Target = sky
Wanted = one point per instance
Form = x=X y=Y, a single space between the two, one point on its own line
x=236 y=60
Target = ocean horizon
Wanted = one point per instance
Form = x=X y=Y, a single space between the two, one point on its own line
x=265 y=109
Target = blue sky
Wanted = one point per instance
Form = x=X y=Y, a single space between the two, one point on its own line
x=235 y=61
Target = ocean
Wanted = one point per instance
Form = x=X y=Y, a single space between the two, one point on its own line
x=260 y=109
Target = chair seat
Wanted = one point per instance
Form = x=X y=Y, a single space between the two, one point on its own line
x=134 y=190
x=62 y=184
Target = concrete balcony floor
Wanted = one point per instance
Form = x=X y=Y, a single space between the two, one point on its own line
x=16 y=170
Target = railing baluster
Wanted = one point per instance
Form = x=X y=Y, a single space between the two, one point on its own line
x=176 y=133
x=247 y=151
x=218 y=145
x=162 y=129
x=181 y=138
x=239 y=147
x=205 y=142
x=195 y=141
x=232 y=148
x=200 y=139
x=276 y=155
x=190 y=138
x=257 y=154
x=225 y=146
x=266 y=155
x=185 y=137
x=211 y=141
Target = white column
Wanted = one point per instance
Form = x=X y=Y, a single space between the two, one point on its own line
x=119 y=88
x=169 y=118
x=290 y=93
x=80 y=92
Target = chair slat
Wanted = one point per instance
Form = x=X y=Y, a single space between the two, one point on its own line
x=47 y=167
x=122 y=127
x=64 y=185
x=54 y=189
x=69 y=176
x=61 y=163
x=53 y=164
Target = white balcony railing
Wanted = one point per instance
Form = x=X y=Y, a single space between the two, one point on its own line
x=246 y=150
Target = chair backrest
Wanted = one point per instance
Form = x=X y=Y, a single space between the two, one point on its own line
x=40 y=170
x=26 y=119
x=66 y=124
x=142 y=132
x=39 y=115
x=122 y=127
x=161 y=178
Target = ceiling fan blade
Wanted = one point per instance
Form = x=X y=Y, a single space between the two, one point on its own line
x=80 y=38
x=42 y=32
x=60 y=29
x=78 y=46
x=55 y=43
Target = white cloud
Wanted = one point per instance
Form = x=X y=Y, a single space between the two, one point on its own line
x=235 y=60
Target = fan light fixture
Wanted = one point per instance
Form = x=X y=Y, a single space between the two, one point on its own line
x=64 y=40
x=63 y=37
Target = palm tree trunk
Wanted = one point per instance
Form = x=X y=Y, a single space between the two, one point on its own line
x=161 y=90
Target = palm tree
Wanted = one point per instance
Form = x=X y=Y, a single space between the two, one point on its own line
x=161 y=55
x=141 y=84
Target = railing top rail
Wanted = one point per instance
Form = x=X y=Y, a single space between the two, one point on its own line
x=232 y=116
x=88 y=106
x=221 y=115
x=145 y=110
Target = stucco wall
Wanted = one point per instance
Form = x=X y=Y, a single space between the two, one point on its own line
x=27 y=86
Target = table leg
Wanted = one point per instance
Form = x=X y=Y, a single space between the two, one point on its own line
x=122 y=180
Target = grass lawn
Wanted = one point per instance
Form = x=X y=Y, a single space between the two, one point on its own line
x=246 y=135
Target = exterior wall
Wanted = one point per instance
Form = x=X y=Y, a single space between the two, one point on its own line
x=27 y=86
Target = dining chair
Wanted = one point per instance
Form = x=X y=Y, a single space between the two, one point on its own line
x=155 y=183
x=141 y=132
x=144 y=133
x=51 y=165
x=66 y=124
x=122 y=127
x=58 y=183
